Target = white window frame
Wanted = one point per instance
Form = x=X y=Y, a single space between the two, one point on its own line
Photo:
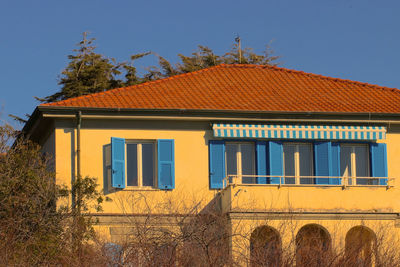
x=239 y=159
x=297 y=160
x=139 y=155
x=353 y=161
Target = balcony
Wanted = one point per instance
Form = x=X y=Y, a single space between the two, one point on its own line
x=307 y=181
x=243 y=193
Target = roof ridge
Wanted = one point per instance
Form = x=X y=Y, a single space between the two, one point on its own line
x=393 y=89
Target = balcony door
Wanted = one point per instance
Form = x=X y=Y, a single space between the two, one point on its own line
x=354 y=163
x=298 y=163
x=240 y=161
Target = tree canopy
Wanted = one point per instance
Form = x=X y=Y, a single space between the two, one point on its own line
x=89 y=72
x=38 y=226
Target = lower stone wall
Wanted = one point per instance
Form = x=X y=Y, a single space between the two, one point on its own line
x=237 y=236
x=291 y=232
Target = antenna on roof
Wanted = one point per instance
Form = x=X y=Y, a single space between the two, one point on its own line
x=237 y=40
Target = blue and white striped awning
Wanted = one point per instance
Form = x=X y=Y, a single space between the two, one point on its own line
x=299 y=131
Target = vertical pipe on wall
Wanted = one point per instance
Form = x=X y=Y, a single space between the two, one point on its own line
x=78 y=158
x=76 y=189
x=78 y=145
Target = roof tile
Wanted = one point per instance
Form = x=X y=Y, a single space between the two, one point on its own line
x=247 y=88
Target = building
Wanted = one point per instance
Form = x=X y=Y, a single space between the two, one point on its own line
x=271 y=147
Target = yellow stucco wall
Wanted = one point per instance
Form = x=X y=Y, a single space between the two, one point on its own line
x=393 y=153
x=315 y=198
x=191 y=170
x=192 y=175
x=191 y=162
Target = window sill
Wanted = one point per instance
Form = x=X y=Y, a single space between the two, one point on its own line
x=135 y=188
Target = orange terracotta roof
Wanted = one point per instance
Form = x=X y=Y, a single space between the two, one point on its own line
x=247 y=88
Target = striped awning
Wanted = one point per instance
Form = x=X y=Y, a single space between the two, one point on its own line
x=269 y=131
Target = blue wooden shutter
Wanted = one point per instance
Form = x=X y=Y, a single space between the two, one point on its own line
x=217 y=163
x=261 y=153
x=322 y=161
x=335 y=160
x=275 y=156
x=378 y=161
x=166 y=164
x=117 y=162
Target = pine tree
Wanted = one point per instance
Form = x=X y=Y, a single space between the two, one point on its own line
x=131 y=77
x=204 y=57
x=87 y=73
x=247 y=56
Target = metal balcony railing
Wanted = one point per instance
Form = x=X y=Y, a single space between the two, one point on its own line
x=307 y=181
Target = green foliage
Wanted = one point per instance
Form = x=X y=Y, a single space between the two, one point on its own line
x=88 y=72
x=204 y=57
x=19 y=119
x=37 y=224
x=29 y=222
x=131 y=77
x=248 y=56
x=88 y=197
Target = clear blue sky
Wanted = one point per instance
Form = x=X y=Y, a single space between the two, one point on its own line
x=351 y=39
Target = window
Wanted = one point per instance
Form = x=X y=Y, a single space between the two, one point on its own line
x=240 y=160
x=140 y=164
x=354 y=162
x=297 y=162
x=318 y=162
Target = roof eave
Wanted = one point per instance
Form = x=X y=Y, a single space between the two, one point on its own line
x=144 y=112
x=33 y=119
x=41 y=111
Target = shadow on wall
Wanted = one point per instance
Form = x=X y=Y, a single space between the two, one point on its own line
x=71 y=132
x=107 y=188
x=213 y=207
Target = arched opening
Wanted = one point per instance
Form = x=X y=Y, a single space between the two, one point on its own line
x=360 y=246
x=313 y=246
x=265 y=247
